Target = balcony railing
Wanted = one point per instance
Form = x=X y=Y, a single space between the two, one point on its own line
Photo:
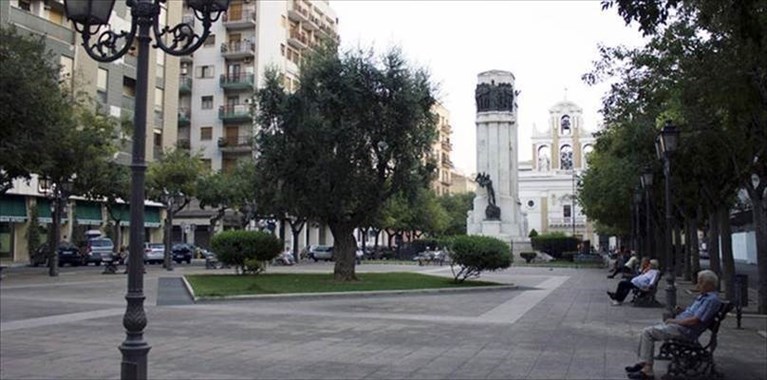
x=298 y=39
x=184 y=84
x=239 y=81
x=242 y=143
x=239 y=113
x=447 y=146
x=567 y=221
x=184 y=117
x=238 y=49
x=245 y=18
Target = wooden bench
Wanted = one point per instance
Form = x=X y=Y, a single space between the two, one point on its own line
x=692 y=360
x=646 y=298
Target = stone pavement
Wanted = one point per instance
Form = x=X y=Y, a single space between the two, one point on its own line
x=557 y=324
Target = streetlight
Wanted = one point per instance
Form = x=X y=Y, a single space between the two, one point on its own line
x=637 y=223
x=666 y=143
x=59 y=192
x=170 y=199
x=646 y=180
x=88 y=17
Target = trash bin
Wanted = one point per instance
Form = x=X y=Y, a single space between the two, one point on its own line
x=741 y=290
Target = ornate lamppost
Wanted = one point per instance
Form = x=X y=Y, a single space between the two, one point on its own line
x=666 y=143
x=646 y=181
x=91 y=20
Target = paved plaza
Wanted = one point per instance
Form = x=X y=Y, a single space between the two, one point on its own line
x=556 y=324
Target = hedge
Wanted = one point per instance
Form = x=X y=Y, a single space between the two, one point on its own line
x=247 y=251
x=471 y=255
x=555 y=243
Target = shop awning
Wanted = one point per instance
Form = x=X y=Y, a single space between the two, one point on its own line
x=88 y=213
x=120 y=212
x=13 y=209
x=151 y=217
x=44 y=211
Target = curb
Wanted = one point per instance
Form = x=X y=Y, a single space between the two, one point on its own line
x=354 y=294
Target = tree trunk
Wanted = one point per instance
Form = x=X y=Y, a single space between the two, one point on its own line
x=713 y=243
x=660 y=244
x=295 y=228
x=759 y=213
x=53 y=258
x=728 y=262
x=375 y=242
x=687 y=250
x=694 y=252
x=343 y=251
x=678 y=251
x=168 y=230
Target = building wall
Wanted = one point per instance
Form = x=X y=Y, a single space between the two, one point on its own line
x=441 y=150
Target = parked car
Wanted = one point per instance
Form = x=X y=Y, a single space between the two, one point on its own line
x=322 y=252
x=97 y=249
x=69 y=254
x=154 y=253
x=182 y=252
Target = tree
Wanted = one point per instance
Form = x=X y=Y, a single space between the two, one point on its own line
x=456 y=206
x=172 y=181
x=33 y=110
x=227 y=190
x=724 y=65
x=355 y=132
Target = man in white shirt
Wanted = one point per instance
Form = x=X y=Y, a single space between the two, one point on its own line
x=642 y=282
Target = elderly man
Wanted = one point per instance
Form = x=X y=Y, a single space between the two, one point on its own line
x=642 y=282
x=688 y=324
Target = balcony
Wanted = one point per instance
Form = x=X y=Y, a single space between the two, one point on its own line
x=186 y=58
x=580 y=221
x=446 y=128
x=238 y=49
x=243 y=19
x=447 y=146
x=239 y=81
x=184 y=117
x=183 y=144
x=447 y=163
x=184 y=85
x=297 y=12
x=234 y=114
x=236 y=144
x=298 y=39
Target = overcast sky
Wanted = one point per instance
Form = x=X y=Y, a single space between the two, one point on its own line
x=547 y=45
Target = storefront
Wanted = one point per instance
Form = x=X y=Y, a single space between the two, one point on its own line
x=13 y=219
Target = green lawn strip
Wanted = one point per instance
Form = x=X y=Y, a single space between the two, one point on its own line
x=282 y=283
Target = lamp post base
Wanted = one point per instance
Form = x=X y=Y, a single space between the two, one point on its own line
x=134 y=363
x=670 y=297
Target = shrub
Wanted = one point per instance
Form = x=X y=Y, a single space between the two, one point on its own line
x=471 y=255
x=245 y=249
x=528 y=256
x=568 y=256
x=554 y=243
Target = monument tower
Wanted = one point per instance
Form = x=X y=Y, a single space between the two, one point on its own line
x=497 y=210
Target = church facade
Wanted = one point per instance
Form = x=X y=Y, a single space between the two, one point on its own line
x=548 y=182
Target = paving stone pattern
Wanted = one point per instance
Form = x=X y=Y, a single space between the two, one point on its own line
x=557 y=324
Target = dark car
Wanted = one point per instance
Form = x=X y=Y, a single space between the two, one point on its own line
x=182 y=252
x=69 y=254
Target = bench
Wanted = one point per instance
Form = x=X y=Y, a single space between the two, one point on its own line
x=691 y=360
x=646 y=298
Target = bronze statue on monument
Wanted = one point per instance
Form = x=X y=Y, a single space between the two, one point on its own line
x=492 y=211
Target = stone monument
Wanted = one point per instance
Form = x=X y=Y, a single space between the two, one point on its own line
x=497 y=210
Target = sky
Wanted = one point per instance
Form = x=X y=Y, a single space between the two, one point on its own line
x=547 y=45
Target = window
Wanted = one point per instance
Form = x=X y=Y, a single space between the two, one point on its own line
x=65 y=74
x=567 y=211
x=206 y=133
x=159 y=96
x=207 y=102
x=157 y=139
x=102 y=77
x=282 y=49
x=129 y=86
x=531 y=204
x=210 y=41
x=25 y=5
x=544 y=158
x=205 y=71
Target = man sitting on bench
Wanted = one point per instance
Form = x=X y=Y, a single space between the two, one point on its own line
x=687 y=325
x=642 y=282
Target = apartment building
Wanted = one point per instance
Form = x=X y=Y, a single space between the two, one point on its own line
x=217 y=82
x=441 y=152
x=113 y=85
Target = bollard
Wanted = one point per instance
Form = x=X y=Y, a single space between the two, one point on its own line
x=741 y=295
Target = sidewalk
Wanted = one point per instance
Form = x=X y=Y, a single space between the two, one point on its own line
x=556 y=324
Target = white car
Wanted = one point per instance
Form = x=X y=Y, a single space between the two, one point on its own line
x=154 y=253
x=322 y=252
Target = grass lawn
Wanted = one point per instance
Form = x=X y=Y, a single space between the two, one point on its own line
x=279 y=283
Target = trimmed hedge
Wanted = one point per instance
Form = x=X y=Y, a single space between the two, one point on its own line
x=555 y=243
x=247 y=251
x=471 y=255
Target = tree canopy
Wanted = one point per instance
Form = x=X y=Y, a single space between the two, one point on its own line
x=356 y=131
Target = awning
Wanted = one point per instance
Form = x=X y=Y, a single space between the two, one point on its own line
x=13 y=209
x=88 y=213
x=120 y=212
x=44 y=211
x=151 y=217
